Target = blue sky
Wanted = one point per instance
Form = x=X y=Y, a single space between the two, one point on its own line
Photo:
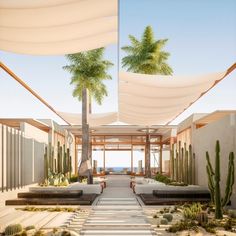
x=202 y=39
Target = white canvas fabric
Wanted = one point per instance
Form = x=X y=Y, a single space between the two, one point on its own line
x=57 y=27
x=152 y=99
x=93 y=119
x=155 y=99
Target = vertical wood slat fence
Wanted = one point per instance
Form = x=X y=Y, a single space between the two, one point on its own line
x=21 y=159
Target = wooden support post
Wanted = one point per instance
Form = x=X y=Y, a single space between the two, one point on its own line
x=160 y=160
x=104 y=159
x=147 y=157
x=132 y=164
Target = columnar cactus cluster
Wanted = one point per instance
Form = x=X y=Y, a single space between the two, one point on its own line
x=214 y=181
x=183 y=164
x=61 y=164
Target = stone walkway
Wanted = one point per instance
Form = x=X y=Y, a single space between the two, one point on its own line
x=117 y=212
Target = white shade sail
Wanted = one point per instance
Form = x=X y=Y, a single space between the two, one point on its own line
x=93 y=119
x=57 y=27
x=154 y=99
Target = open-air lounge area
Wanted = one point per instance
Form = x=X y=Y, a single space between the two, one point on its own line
x=118 y=117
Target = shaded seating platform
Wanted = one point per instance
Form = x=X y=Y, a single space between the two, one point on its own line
x=72 y=197
x=172 y=197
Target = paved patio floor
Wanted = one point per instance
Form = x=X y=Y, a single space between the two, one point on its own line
x=117 y=211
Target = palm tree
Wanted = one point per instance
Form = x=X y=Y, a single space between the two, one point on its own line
x=88 y=70
x=146 y=56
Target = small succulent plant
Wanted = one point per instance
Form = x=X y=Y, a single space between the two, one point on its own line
x=164 y=221
x=168 y=216
x=13 y=229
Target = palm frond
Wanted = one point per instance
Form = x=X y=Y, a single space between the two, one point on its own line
x=146 y=56
x=89 y=70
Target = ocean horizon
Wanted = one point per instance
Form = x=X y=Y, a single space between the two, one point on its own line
x=118 y=169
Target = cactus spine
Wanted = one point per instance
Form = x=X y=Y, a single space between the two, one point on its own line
x=214 y=183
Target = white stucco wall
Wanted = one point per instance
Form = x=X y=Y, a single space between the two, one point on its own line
x=21 y=159
x=204 y=139
x=33 y=132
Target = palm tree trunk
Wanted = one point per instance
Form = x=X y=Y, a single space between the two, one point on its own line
x=85 y=138
x=90 y=104
x=90 y=179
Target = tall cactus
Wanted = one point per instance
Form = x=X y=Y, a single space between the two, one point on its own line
x=50 y=156
x=48 y=160
x=70 y=167
x=214 y=183
x=64 y=160
x=182 y=164
x=67 y=161
x=58 y=157
x=61 y=157
x=46 y=164
x=218 y=211
x=172 y=156
x=177 y=166
x=229 y=181
x=186 y=168
x=190 y=165
x=193 y=171
x=59 y=165
x=210 y=174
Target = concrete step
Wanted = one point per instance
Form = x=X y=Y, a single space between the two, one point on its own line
x=117 y=203
x=118 y=199
x=117 y=207
x=116 y=227
x=116 y=232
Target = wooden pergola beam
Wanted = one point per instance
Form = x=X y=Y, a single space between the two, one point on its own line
x=229 y=70
x=27 y=87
